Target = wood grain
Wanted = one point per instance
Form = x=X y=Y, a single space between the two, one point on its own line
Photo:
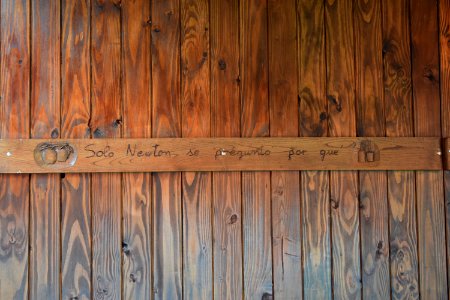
x=196 y=108
x=14 y=123
x=313 y=119
x=76 y=246
x=399 y=122
x=45 y=123
x=166 y=121
x=370 y=108
x=105 y=122
x=283 y=96
x=220 y=154
x=225 y=121
x=444 y=41
x=256 y=203
x=136 y=197
x=344 y=185
x=427 y=109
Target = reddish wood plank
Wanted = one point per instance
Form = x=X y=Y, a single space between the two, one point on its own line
x=314 y=186
x=105 y=122
x=444 y=41
x=196 y=107
x=344 y=185
x=14 y=123
x=166 y=122
x=136 y=197
x=371 y=122
x=225 y=121
x=287 y=254
x=256 y=203
x=75 y=108
x=430 y=194
x=45 y=123
x=399 y=122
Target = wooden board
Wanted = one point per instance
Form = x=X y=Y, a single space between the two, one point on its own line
x=284 y=119
x=45 y=123
x=76 y=232
x=446 y=154
x=166 y=122
x=14 y=123
x=196 y=122
x=314 y=186
x=427 y=115
x=218 y=154
x=370 y=116
x=256 y=204
x=225 y=121
x=344 y=191
x=105 y=121
x=136 y=192
x=399 y=122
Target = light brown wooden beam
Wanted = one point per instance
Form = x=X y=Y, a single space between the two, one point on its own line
x=446 y=151
x=218 y=154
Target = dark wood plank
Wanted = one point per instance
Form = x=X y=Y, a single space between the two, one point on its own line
x=166 y=122
x=314 y=186
x=427 y=109
x=196 y=108
x=286 y=228
x=136 y=197
x=344 y=185
x=14 y=123
x=105 y=122
x=370 y=122
x=256 y=203
x=225 y=121
x=399 y=122
x=444 y=41
x=45 y=123
x=75 y=109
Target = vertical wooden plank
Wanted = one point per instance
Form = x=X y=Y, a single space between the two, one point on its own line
x=196 y=186
x=225 y=122
x=45 y=123
x=166 y=187
x=313 y=122
x=371 y=122
x=444 y=41
x=344 y=185
x=287 y=252
x=76 y=233
x=399 y=122
x=105 y=122
x=14 y=123
x=136 y=197
x=256 y=203
x=430 y=194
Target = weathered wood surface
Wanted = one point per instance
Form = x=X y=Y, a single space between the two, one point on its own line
x=256 y=202
x=374 y=218
x=77 y=69
x=283 y=95
x=225 y=122
x=76 y=214
x=105 y=119
x=14 y=123
x=196 y=122
x=166 y=122
x=219 y=154
x=45 y=123
x=427 y=116
x=314 y=186
x=136 y=192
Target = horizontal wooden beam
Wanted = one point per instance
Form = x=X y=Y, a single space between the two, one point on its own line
x=218 y=154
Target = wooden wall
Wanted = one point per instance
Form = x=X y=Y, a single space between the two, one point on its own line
x=219 y=68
